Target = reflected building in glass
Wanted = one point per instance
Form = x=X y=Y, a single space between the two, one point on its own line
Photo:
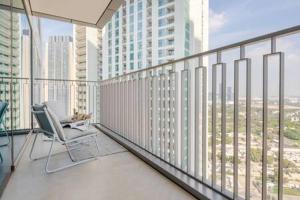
x=6 y=61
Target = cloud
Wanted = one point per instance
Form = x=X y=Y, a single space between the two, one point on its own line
x=217 y=20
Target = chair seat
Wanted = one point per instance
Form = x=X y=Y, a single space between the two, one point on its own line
x=72 y=133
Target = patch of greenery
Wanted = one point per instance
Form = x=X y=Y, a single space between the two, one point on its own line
x=229 y=140
x=256 y=155
x=292 y=134
x=288 y=164
x=288 y=191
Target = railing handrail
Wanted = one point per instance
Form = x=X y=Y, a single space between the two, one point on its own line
x=45 y=79
x=17 y=78
x=256 y=39
x=65 y=80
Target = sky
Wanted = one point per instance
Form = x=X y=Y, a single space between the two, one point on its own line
x=230 y=20
x=236 y=20
x=53 y=27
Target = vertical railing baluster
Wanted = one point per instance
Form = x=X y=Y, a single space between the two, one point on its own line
x=214 y=123
x=126 y=108
x=147 y=111
x=235 y=130
x=223 y=129
x=172 y=117
x=204 y=124
x=136 y=110
x=177 y=117
x=143 y=111
x=154 y=115
x=161 y=113
x=167 y=117
x=281 y=126
x=265 y=127
x=185 y=124
x=197 y=121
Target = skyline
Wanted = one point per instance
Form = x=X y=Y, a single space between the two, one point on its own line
x=226 y=28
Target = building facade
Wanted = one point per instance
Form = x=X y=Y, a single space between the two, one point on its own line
x=60 y=66
x=87 y=44
x=144 y=33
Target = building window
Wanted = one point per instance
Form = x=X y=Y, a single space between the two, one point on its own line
x=117 y=23
x=131 y=56
x=140 y=35
x=131 y=28
x=140 y=6
x=131 y=47
x=140 y=16
x=131 y=9
x=139 y=45
x=139 y=64
x=139 y=55
x=163 y=2
x=140 y=26
x=131 y=18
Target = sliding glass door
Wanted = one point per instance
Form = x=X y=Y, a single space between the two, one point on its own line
x=15 y=90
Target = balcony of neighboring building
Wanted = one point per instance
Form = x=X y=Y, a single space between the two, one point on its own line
x=81 y=74
x=80 y=29
x=81 y=66
x=81 y=49
x=81 y=44
x=81 y=57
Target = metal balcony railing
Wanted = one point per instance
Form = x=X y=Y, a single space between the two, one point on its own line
x=70 y=92
x=221 y=116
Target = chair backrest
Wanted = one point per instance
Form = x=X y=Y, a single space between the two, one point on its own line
x=3 y=109
x=41 y=117
x=59 y=108
x=48 y=121
x=56 y=123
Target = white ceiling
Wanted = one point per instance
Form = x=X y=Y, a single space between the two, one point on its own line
x=86 y=12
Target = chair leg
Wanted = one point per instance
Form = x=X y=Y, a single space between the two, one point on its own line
x=70 y=154
x=7 y=136
x=72 y=157
x=32 y=147
x=65 y=166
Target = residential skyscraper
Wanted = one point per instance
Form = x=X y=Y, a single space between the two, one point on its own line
x=25 y=73
x=145 y=33
x=10 y=67
x=87 y=44
x=60 y=66
x=39 y=68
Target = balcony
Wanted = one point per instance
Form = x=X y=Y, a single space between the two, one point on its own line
x=220 y=124
x=182 y=119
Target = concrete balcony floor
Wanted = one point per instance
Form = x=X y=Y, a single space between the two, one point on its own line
x=116 y=174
